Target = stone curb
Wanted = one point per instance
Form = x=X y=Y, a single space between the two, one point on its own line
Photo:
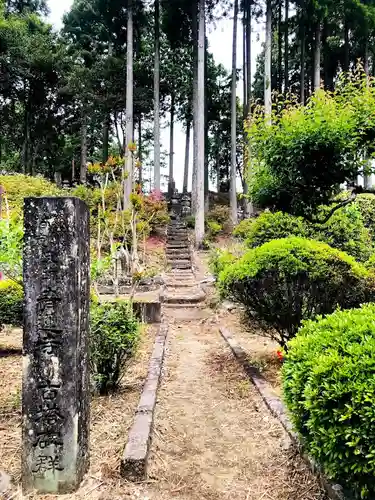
x=278 y=410
x=134 y=460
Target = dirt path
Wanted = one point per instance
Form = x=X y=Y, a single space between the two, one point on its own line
x=214 y=438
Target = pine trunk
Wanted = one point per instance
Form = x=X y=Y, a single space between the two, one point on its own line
x=303 y=55
x=140 y=173
x=171 y=147
x=128 y=181
x=346 y=46
x=267 y=64
x=233 y=163
x=157 y=99
x=106 y=125
x=317 y=57
x=248 y=55
x=286 y=47
x=199 y=208
x=195 y=106
x=187 y=154
x=280 y=48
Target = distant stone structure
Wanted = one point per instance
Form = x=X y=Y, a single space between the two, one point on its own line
x=55 y=393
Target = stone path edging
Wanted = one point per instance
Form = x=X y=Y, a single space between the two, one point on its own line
x=275 y=405
x=134 y=460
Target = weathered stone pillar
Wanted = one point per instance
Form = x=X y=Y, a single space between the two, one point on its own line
x=55 y=393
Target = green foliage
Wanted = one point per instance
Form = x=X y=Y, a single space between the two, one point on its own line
x=242 y=229
x=219 y=214
x=329 y=388
x=213 y=229
x=271 y=226
x=219 y=260
x=366 y=205
x=299 y=162
x=18 y=186
x=11 y=303
x=286 y=281
x=11 y=245
x=114 y=337
x=346 y=231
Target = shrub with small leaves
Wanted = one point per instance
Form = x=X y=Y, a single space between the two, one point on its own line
x=219 y=259
x=114 y=337
x=271 y=226
x=329 y=388
x=243 y=228
x=11 y=303
x=286 y=281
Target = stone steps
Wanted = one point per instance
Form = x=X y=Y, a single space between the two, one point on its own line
x=178 y=256
x=193 y=296
x=179 y=264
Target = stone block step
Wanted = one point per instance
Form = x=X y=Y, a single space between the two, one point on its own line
x=180 y=284
x=177 y=250
x=178 y=237
x=179 y=256
x=179 y=264
x=184 y=298
x=187 y=305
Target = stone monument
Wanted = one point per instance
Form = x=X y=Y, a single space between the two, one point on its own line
x=55 y=392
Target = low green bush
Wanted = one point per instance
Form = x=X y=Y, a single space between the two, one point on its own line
x=190 y=221
x=286 y=281
x=11 y=303
x=346 y=231
x=271 y=226
x=329 y=388
x=219 y=260
x=366 y=205
x=114 y=336
x=219 y=214
x=243 y=228
x=213 y=229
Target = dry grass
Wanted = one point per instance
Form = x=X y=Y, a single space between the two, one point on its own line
x=111 y=418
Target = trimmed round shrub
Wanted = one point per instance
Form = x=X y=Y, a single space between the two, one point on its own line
x=113 y=340
x=366 y=205
x=329 y=388
x=286 y=281
x=272 y=226
x=11 y=303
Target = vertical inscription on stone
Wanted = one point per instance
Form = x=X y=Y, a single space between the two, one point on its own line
x=55 y=395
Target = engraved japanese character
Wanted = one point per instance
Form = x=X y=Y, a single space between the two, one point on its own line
x=46 y=463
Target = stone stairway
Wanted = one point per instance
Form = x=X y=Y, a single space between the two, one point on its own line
x=181 y=289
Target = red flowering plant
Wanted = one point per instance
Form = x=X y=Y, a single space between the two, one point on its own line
x=280 y=355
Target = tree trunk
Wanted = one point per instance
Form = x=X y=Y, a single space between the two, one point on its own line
x=195 y=106
x=318 y=34
x=286 y=48
x=157 y=99
x=267 y=64
x=248 y=56
x=233 y=163
x=83 y=169
x=303 y=55
x=140 y=176
x=128 y=181
x=187 y=154
x=280 y=48
x=346 y=46
x=244 y=61
x=199 y=208
x=171 y=146
x=106 y=125
x=206 y=125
